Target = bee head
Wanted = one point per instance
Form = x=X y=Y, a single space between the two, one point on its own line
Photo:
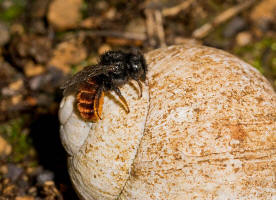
x=137 y=65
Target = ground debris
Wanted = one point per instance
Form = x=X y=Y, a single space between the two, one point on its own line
x=5 y=147
x=65 y=14
x=68 y=53
x=264 y=14
x=44 y=41
x=5 y=35
x=30 y=47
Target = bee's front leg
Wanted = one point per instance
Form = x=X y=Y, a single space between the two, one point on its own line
x=122 y=98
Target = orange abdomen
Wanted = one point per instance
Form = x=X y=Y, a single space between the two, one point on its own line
x=86 y=101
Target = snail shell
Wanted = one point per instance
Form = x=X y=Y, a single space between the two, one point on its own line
x=205 y=128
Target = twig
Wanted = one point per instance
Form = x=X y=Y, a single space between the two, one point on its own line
x=176 y=9
x=155 y=29
x=150 y=26
x=113 y=33
x=160 y=28
x=224 y=16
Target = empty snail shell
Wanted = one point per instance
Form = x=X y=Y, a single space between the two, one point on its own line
x=205 y=128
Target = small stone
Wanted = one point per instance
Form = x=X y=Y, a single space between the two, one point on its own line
x=243 y=38
x=68 y=53
x=34 y=171
x=91 y=22
x=16 y=99
x=32 y=190
x=17 y=85
x=24 y=198
x=264 y=13
x=104 y=48
x=44 y=176
x=5 y=147
x=110 y=13
x=49 y=183
x=48 y=81
x=14 y=172
x=101 y=5
x=9 y=190
x=234 y=26
x=65 y=14
x=32 y=69
x=3 y=169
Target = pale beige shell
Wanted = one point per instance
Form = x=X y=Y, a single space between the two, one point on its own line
x=204 y=129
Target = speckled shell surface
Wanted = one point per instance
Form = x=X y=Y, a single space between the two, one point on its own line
x=205 y=128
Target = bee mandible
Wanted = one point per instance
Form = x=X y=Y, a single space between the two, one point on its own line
x=114 y=69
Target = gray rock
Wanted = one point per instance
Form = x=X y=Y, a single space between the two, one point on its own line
x=44 y=176
x=14 y=172
x=234 y=26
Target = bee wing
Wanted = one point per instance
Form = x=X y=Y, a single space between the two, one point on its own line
x=83 y=75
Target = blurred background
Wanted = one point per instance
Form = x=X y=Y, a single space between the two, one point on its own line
x=42 y=42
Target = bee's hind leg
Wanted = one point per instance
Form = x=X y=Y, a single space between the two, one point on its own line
x=122 y=98
x=98 y=102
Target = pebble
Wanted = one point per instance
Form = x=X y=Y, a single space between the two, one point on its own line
x=3 y=169
x=13 y=88
x=14 y=172
x=104 y=48
x=234 y=26
x=32 y=190
x=5 y=147
x=68 y=53
x=243 y=38
x=44 y=177
x=16 y=85
x=264 y=13
x=64 y=14
x=48 y=81
x=32 y=69
x=24 y=198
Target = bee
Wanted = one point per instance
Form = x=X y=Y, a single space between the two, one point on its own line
x=114 y=69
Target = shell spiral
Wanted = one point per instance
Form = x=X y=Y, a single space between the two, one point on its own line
x=205 y=128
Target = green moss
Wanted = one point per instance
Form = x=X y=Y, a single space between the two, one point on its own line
x=13 y=11
x=262 y=55
x=216 y=38
x=84 y=10
x=17 y=136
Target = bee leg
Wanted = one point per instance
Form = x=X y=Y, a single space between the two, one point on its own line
x=122 y=98
x=97 y=100
x=141 y=88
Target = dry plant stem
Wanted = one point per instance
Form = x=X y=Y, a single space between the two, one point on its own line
x=155 y=29
x=224 y=16
x=160 y=28
x=176 y=9
x=150 y=26
x=113 y=33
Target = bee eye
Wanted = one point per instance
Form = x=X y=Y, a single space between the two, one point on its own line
x=135 y=67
